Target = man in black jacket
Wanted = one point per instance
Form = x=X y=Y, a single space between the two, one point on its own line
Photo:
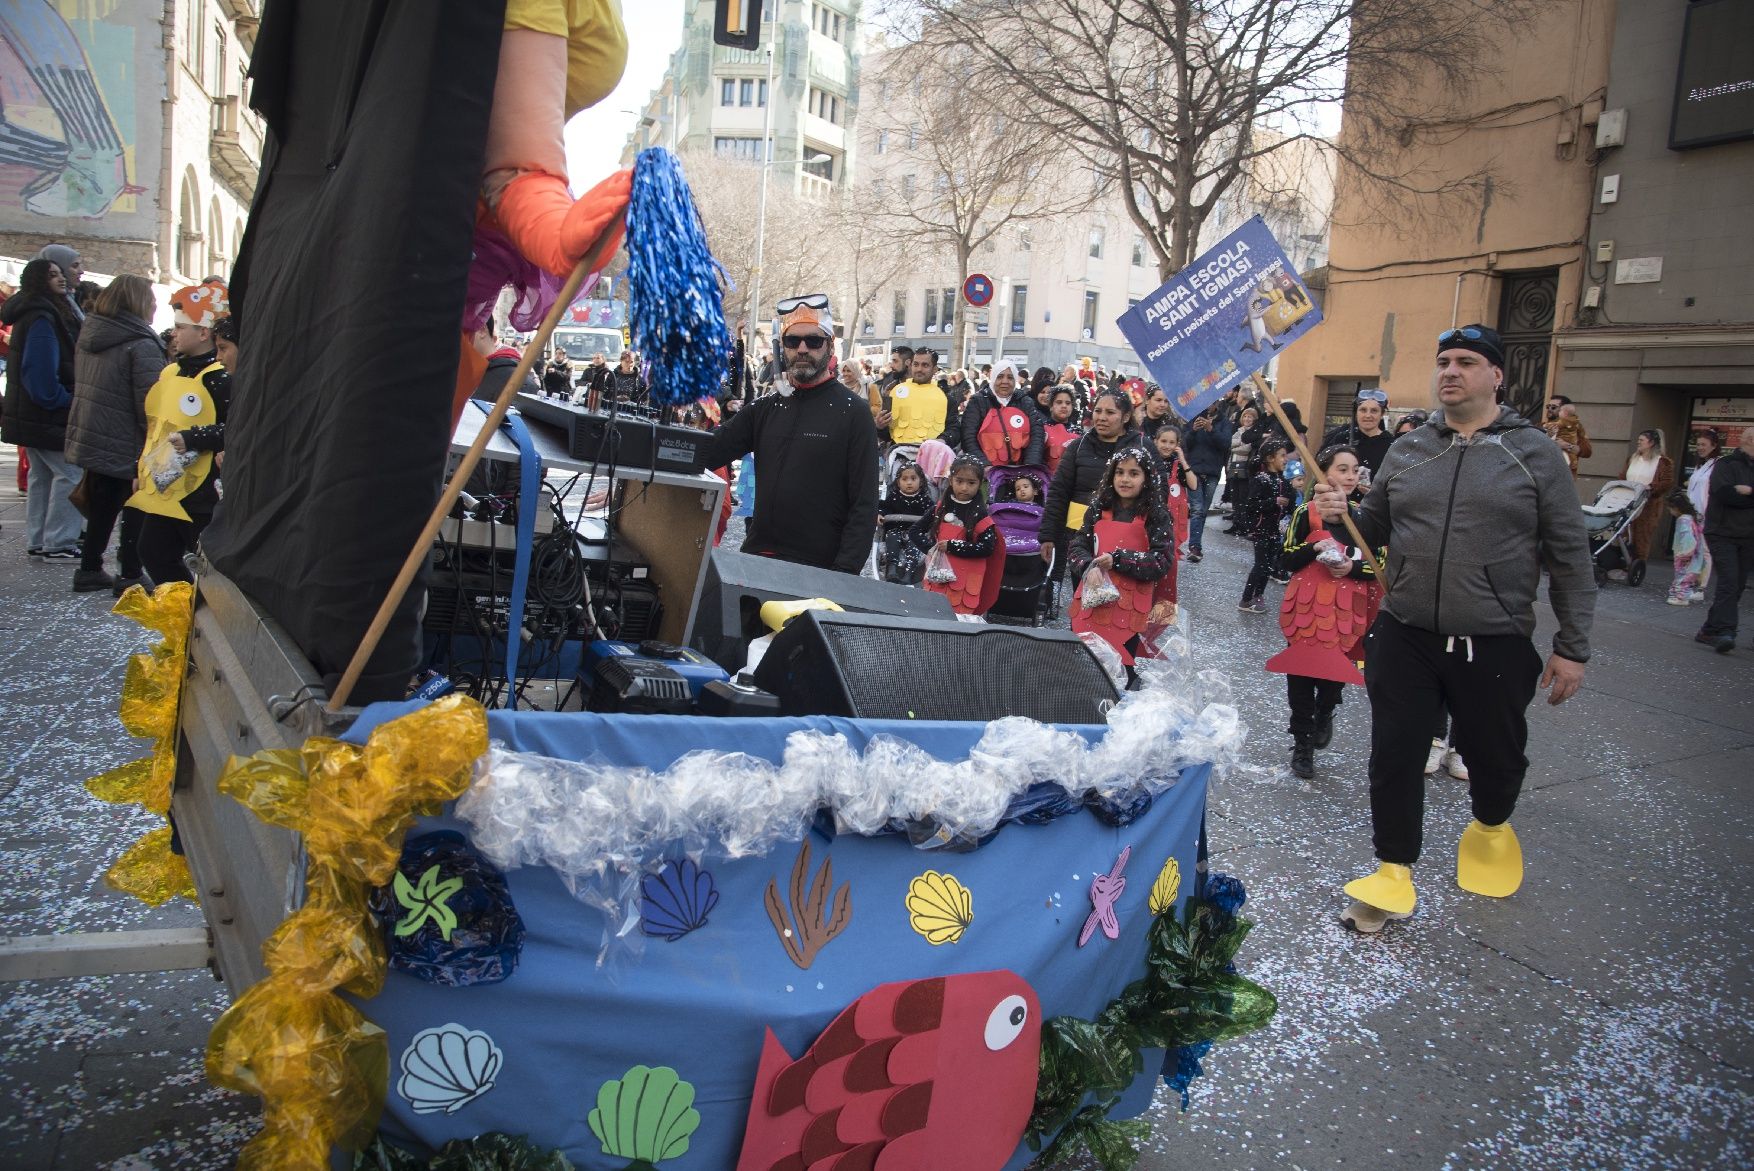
x=1208 y=448
x=1729 y=534
x=815 y=451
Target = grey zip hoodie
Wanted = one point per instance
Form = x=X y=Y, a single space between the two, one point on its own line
x=1470 y=523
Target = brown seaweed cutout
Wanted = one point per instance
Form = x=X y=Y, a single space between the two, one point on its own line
x=807 y=929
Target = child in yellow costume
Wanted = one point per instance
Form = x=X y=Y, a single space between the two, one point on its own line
x=176 y=479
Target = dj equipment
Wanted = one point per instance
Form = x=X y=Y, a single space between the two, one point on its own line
x=691 y=666
x=621 y=441
x=727 y=697
x=736 y=585
x=876 y=667
x=639 y=686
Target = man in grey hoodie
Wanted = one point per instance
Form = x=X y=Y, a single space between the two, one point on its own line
x=1472 y=506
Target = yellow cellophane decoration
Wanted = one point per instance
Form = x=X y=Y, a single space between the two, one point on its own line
x=319 y=1066
x=151 y=690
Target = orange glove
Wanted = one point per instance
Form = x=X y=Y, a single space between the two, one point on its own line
x=539 y=216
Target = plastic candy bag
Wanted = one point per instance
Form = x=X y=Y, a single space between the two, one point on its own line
x=1096 y=589
x=938 y=568
x=166 y=465
x=1331 y=553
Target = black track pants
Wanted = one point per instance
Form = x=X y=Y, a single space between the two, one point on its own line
x=1309 y=699
x=1411 y=675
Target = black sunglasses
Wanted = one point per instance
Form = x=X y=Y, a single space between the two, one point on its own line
x=807 y=301
x=809 y=341
x=1467 y=331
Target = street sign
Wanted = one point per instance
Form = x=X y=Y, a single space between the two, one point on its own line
x=978 y=316
x=1220 y=319
x=977 y=290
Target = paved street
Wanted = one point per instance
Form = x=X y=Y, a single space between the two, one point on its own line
x=1600 y=1018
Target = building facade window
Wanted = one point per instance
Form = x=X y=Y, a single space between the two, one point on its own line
x=1096 y=235
x=913 y=136
x=1090 y=299
x=948 y=316
x=761 y=92
x=1138 y=252
x=1019 y=307
x=738 y=148
x=882 y=141
x=907 y=186
x=1024 y=238
x=727 y=92
x=746 y=92
x=931 y=310
x=898 y=318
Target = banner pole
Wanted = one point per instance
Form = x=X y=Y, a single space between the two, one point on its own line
x=1311 y=468
x=422 y=544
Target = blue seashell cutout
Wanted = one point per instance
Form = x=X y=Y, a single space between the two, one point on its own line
x=676 y=900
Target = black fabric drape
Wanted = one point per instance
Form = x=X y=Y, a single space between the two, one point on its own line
x=349 y=289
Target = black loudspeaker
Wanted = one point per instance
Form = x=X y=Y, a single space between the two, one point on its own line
x=737 y=584
x=878 y=668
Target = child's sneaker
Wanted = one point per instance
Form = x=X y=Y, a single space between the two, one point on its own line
x=1673 y=601
x=1696 y=596
x=1368 y=920
x=1454 y=765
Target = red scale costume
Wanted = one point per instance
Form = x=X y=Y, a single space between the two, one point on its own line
x=1117 y=622
x=1004 y=435
x=1325 y=619
x=976 y=587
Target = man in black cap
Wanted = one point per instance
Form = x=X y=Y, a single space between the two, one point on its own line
x=1472 y=506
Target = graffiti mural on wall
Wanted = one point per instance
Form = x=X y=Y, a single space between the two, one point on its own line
x=63 y=150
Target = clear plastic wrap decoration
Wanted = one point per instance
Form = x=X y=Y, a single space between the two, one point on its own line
x=604 y=828
x=447 y=914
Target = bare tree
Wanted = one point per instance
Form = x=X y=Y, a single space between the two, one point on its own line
x=727 y=192
x=960 y=166
x=1178 y=101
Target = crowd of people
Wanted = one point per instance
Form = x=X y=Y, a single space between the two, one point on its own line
x=120 y=428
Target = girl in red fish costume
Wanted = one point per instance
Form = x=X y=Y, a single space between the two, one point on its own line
x=1128 y=533
x=962 y=529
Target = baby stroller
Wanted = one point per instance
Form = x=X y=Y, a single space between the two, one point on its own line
x=1026 y=574
x=1608 y=521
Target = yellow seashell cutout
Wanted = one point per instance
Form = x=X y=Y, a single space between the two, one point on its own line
x=939 y=907
x=1167 y=888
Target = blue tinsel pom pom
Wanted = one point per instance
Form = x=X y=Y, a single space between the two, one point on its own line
x=1181 y=1066
x=674 y=297
x=1225 y=893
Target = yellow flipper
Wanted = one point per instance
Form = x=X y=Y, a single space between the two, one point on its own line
x=1389 y=889
x=1489 y=860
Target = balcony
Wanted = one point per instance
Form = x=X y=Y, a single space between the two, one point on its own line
x=235 y=147
x=246 y=16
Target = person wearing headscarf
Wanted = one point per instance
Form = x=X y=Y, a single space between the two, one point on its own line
x=67 y=259
x=39 y=391
x=1001 y=426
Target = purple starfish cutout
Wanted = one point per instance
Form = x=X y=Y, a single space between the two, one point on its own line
x=1105 y=890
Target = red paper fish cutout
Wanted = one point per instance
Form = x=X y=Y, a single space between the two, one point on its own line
x=1325 y=619
x=922 y=1075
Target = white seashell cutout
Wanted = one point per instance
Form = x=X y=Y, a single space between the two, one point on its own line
x=446 y=1068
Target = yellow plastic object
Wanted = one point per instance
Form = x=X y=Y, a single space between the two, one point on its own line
x=775 y=615
x=150 y=872
x=319 y=1066
x=151 y=690
x=1389 y=889
x=1489 y=860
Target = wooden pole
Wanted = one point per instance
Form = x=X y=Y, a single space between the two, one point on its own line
x=1310 y=468
x=423 y=544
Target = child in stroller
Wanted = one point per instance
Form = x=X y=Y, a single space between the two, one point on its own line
x=1018 y=495
x=905 y=500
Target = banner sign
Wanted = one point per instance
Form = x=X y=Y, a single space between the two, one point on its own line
x=1220 y=319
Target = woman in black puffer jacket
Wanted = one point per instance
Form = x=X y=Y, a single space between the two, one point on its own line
x=1079 y=474
x=119 y=358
